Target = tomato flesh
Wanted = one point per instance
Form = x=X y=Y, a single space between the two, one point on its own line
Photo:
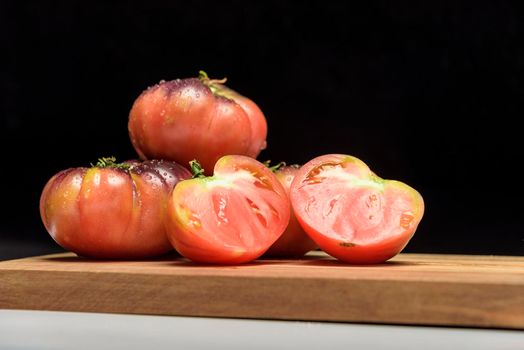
x=231 y=217
x=353 y=214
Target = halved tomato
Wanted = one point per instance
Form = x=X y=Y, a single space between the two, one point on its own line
x=231 y=217
x=351 y=213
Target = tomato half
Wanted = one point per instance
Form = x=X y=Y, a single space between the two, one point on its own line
x=294 y=242
x=111 y=210
x=230 y=217
x=353 y=214
x=195 y=118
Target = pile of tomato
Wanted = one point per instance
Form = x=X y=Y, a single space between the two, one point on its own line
x=200 y=190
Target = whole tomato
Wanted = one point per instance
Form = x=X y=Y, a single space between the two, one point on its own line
x=231 y=217
x=111 y=210
x=294 y=242
x=200 y=118
x=353 y=214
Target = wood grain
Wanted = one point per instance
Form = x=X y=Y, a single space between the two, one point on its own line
x=473 y=291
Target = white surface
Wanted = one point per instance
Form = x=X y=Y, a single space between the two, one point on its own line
x=67 y=330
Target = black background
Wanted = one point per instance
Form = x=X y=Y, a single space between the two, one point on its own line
x=427 y=92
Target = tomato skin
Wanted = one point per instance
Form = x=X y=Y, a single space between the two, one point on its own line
x=110 y=212
x=351 y=213
x=188 y=119
x=294 y=242
x=257 y=119
x=230 y=218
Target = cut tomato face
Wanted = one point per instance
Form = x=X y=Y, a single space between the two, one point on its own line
x=351 y=213
x=231 y=217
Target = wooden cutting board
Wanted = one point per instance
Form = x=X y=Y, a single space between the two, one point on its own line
x=476 y=291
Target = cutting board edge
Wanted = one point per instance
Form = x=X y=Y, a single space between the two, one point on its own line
x=432 y=304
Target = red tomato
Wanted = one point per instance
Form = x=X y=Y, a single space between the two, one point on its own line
x=111 y=210
x=200 y=118
x=256 y=117
x=351 y=213
x=294 y=242
x=231 y=217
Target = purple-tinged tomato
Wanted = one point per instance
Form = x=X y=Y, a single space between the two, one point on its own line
x=111 y=210
x=195 y=118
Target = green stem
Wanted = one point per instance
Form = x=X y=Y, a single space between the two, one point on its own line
x=202 y=75
x=204 y=78
x=274 y=168
x=110 y=162
x=196 y=169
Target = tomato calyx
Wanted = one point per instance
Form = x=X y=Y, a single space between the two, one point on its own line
x=279 y=166
x=110 y=162
x=215 y=85
x=196 y=169
x=204 y=78
x=275 y=167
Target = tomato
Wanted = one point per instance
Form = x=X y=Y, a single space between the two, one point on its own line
x=294 y=242
x=353 y=214
x=200 y=118
x=256 y=117
x=231 y=217
x=111 y=210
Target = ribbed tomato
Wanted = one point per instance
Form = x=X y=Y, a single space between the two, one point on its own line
x=353 y=214
x=231 y=217
x=195 y=118
x=111 y=210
